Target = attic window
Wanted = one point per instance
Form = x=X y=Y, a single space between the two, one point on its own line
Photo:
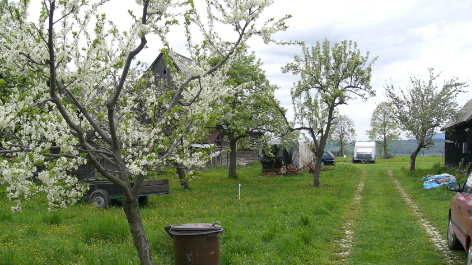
x=165 y=72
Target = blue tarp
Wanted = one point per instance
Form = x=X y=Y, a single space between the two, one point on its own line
x=434 y=181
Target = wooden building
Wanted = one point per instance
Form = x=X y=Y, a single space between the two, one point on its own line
x=160 y=69
x=458 y=139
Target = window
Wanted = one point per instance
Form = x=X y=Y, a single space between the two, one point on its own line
x=165 y=72
x=467 y=184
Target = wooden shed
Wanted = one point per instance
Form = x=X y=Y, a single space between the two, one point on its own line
x=458 y=138
x=160 y=69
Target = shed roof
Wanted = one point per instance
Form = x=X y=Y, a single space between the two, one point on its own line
x=181 y=62
x=462 y=117
x=212 y=137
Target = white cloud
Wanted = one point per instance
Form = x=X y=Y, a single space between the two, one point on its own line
x=408 y=37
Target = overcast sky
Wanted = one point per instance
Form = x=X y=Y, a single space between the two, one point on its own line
x=407 y=36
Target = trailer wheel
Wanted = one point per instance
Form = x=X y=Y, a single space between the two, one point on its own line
x=100 y=198
x=143 y=199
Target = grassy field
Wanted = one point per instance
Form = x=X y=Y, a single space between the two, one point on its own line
x=277 y=220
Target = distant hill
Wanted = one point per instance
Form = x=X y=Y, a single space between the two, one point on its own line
x=404 y=147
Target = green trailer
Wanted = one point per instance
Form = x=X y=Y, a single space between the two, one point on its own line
x=100 y=193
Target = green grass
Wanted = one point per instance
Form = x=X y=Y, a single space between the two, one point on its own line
x=54 y=218
x=434 y=203
x=105 y=227
x=278 y=220
x=386 y=229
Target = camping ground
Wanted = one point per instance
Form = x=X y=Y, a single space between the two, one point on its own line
x=357 y=216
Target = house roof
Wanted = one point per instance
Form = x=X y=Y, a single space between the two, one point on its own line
x=462 y=117
x=180 y=61
x=212 y=137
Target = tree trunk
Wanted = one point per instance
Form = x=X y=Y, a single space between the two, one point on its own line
x=182 y=178
x=385 y=148
x=316 y=174
x=141 y=243
x=413 y=158
x=232 y=158
x=413 y=161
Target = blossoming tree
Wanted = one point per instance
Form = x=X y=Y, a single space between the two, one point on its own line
x=330 y=76
x=343 y=132
x=416 y=111
x=82 y=98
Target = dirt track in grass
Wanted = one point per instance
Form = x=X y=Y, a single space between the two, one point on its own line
x=347 y=230
x=434 y=236
x=384 y=225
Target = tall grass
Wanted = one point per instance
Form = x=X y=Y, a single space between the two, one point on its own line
x=5 y=215
x=54 y=218
x=6 y=257
x=112 y=228
x=277 y=220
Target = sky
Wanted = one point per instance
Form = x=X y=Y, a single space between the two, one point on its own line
x=407 y=36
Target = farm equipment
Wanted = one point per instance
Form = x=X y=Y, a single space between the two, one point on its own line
x=101 y=193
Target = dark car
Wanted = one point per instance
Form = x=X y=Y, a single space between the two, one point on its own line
x=327 y=158
x=459 y=229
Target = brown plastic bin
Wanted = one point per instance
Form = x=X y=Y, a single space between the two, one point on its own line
x=196 y=244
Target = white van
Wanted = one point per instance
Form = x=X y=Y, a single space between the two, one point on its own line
x=364 y=151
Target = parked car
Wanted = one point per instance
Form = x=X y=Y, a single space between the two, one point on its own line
x=459 y=229
x=327 y=158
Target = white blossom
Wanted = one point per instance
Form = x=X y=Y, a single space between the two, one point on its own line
x=47 y=134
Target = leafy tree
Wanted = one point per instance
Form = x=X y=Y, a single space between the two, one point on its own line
x=384 y=128
x=88 y=101
x=4 y=91
x=250 y=109
x=329 y=77
x=423 y=107
x=343 y=132
x=3 y=5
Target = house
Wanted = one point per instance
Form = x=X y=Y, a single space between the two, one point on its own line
x=458 y=138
